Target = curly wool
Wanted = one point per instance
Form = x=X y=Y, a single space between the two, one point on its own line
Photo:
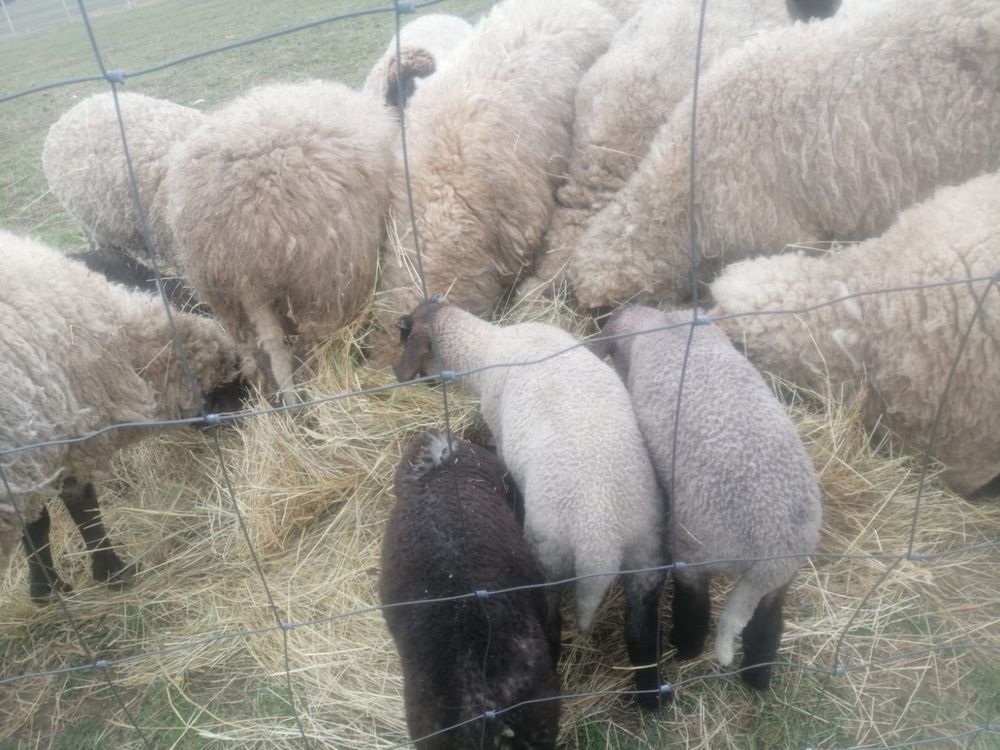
x=277 y=202
x=81 y=354
x=818 y=131
x=84 y=163
x=486 y=139
x=426 y=43
x=895 y=349
x=628 y=94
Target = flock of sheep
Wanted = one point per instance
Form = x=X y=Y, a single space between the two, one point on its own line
x=548 y=148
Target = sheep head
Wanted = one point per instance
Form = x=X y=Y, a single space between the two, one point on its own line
x=415 y=332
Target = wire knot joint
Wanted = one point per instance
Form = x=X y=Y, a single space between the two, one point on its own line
x=115 y=76
x=446 y=376
x=482 y=594
x=405 y=6
x=489 y=715
x=102 y=664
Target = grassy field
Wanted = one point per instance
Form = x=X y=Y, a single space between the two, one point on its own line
x=316 y=489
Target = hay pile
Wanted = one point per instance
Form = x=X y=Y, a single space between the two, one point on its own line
x=314 y=489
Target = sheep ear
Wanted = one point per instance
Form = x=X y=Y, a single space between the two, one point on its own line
x=405 y=326
x=473 y=306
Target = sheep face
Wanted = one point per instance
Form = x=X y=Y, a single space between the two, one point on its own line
x=417 y=63
x=415 y=336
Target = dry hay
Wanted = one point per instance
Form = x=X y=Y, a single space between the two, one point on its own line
x=314 y=489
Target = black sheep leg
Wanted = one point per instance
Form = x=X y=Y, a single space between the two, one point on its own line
x=761 y=638
x=81 y=502
x=642 y=634
x=692 y=609
x=42 y=577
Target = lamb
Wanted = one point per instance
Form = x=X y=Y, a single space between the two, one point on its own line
x=81 y=354
x=629 y=93
x=797 y=145
x=276 y=203
x=486 y=139
x=740 y=484
x=425 y=44
x=566 y=430
x=893 y=350
x=84 y=163
x=453 y=531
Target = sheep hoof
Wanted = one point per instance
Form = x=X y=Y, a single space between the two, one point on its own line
x=756 y=677
x=41 y=591
x=113 y=571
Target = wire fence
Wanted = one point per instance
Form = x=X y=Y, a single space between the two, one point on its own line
x=94 y=660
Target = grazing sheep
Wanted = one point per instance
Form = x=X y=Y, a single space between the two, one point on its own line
x=740 y=483
x=84 y=163
x=629 y=93
x=566 y=430
x=453 y=531
x=896 y=349
x=425 y=44
x=487 y=138
x=81 y=354
x=818 y=131
x=276 y=202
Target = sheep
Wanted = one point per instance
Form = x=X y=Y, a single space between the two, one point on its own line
x=81 y=354
x=84 y=162
x=276 y=202
x=486 y=139
x=628 y=94
x=740 y=483
x=566 y=430
x=818 y=131
x=453 y=531
x=425 y=44
x=893 y=350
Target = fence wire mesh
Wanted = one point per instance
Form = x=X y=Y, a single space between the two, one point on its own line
x=816 y=710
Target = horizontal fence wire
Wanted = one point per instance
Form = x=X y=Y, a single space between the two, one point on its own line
x=94 y=661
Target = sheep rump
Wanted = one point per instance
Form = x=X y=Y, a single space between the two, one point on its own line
x=796 y=145
x=453 y=532
x=84 y=163
x=894 y=349
x=276 y=202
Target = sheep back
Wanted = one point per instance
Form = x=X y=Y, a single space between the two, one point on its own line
x=895 y=348
x=797 y=144
x=453 y=532
x=84 y=162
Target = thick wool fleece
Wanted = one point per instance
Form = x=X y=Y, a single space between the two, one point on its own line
x=277 y=202
x=80 y=354
x=487 y=138
x=740 y=483
x=566 y=430
x=452 y=532
x=818 y=131
x=426 y=44
x=629 y=93
x=84 y=163
x=896 y=349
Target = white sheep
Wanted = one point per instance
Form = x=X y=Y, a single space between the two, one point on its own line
x=895 y=349
x=818 y=131
x=425 y=44
x=739 y=481
x=487 y=138
x=566 y=430
x=81 y=354
x=84 y=163
x=277 y=201
x=628 y=94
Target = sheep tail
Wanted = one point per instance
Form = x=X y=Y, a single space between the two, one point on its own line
x=735 y=615
x=271 y=338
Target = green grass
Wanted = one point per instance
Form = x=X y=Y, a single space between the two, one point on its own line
x=154 y=33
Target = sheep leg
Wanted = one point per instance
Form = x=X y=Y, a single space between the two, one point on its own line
x=761 y=638
x=691 y=611
x=42 y=577
x=271 y=338
x=81 y=502
x=552 y=624
x=736 y=613
x=642 y=635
